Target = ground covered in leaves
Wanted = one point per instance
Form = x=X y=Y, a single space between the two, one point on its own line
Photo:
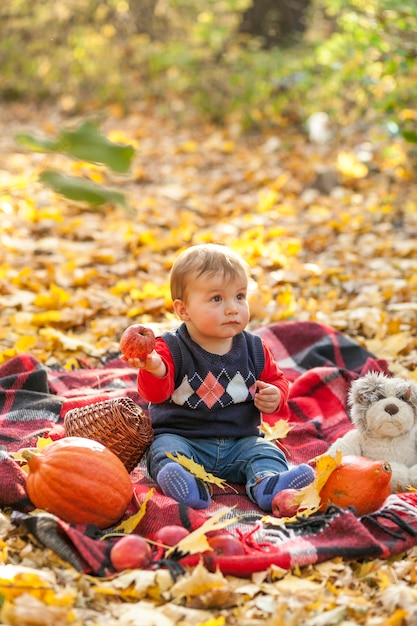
x=329 y=231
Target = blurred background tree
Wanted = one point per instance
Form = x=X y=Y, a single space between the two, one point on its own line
x=250 y=61
x=277 y=22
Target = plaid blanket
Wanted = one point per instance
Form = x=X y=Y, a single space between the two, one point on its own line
x=320 y=363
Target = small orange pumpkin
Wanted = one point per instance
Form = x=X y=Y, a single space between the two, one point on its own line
x=80 y=481
x=358 y=482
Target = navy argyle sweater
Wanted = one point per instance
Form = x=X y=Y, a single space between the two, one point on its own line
x=213 y=394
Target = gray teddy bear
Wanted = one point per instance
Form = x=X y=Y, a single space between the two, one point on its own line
x=384 y=416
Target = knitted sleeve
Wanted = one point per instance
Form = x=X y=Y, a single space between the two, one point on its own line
x=155 y=389
x=273 y=375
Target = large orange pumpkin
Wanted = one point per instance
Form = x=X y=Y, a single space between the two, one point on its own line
x=357 y=482
x=80 y=481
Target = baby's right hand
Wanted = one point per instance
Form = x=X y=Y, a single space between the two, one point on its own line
x=152 y=364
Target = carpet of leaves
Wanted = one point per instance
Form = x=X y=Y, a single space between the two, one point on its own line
x=329 y=231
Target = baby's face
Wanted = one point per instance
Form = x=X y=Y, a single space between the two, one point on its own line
x=216 y=307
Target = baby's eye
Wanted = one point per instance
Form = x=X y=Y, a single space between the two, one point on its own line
x=241 y=296
x=216 y=298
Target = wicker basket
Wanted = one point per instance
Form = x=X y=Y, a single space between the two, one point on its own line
x=119 y=424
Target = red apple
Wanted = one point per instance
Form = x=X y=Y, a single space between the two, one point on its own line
x=170 y=535
x=130 y=552
x=226 y=544
x=284 y=504
x=137 y=342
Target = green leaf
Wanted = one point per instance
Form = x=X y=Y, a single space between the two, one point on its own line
x=81 y=190
x=410 y=135
x=85 y=143
x=35 y=144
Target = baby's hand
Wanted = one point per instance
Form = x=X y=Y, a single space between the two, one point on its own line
x=152 y=364
x=267 y=397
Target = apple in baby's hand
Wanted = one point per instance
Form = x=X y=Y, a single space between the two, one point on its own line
x=137 y=342
x=130 y=552
x=284 y=503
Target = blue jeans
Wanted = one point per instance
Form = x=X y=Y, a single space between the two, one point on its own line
x=243 y=460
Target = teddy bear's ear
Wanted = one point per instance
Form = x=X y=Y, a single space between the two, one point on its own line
x=409 y=393
x=412 y=397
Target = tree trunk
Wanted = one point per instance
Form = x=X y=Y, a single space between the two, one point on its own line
x=142 y=12
x=278 y=22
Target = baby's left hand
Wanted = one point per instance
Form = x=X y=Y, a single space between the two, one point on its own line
x=267 y=397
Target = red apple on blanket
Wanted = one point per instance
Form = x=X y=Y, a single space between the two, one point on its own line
x=137 y=342
x=226 y=544
x=130 y=552
x=170 y=535
x=284 y=503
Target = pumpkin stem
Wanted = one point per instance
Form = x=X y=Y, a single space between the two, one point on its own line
x=27 y=454
x=31 y=457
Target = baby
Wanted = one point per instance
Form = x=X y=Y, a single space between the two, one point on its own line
x=209 y=381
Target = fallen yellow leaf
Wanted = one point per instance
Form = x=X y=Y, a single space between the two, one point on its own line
x=196 y=541
x=197 y=470
x=349 y=165
x=279 y=430
x=325 y=465
x=200 y=582
x=129 y=525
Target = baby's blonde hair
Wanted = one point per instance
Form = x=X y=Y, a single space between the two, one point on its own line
x=209 y=259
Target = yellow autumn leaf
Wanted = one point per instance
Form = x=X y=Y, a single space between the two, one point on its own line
x=188 y=146
x=71 y=364
x=19 y=456
x=383 y=579
x=200 y=581
x=287 y=299
x=17 y=579
x=67 y=342
x=396 y=618
x=228 y=146
x=325 y=465
x=408 y=114
x=133 y=585
x=391 y=346
x=22 y=610
x=25 y=343
x=55 y=299
x=129 y=525
x=308 y=498
x=279 y=430
x=197 y=470
x=267 y=199
x=42 y=442
x=349 y=165
x=196 y=541
x=47 y=317
x=213 y=621
x=97 y=177
x=5 y=355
